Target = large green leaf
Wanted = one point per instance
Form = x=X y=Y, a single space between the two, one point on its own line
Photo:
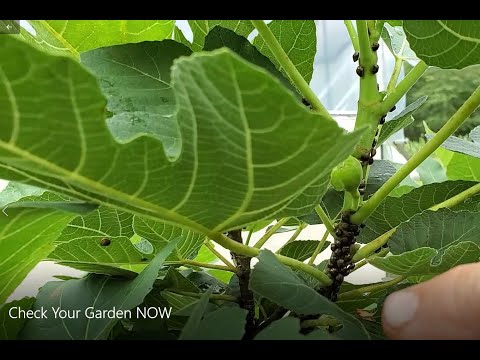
x=220 y=37
x=433 y=242
x=97 y=291
x=395 y=210
x=200 y=29
x=10 y=321
x=299 y=40
x=76 y=36
x=289 y=329
x=136 y=80
x=426 y=261
x=230 y=172
x=278 y=283
x=448 y=44
x=400 y=121
x=26 y=238
x=436 y=229
x=302 y=249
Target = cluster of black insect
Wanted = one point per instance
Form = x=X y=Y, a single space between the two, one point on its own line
x=360 y=69
x=340 y=263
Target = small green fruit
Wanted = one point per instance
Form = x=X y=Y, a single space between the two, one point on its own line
x=348 y=175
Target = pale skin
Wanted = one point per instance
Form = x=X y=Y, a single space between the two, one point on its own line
x=445 y=307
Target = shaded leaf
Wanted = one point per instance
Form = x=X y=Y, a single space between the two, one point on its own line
x=200 y=29
x=278 y=283
x=219 y=37
x=302 y=249
x=226 y=323
x=11 y=323
x=97 y=291
x=136 y=81
x=193 y=323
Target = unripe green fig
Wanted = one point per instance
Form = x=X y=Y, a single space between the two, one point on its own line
x=347 y=175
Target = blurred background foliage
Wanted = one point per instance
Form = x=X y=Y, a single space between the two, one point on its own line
x=447 y=90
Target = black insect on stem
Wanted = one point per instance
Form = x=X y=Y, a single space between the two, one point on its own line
x=375 y=69
x=393 y=108
x=340 y=262
x=360 y=70
x=105 y=242
x=382 y=120
x=375 y=46
x=356 y=56
x=242 y=263
x=305 y=102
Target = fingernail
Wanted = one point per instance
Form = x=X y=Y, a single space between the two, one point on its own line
x=400 y=308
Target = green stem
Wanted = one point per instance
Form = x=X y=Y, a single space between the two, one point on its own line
x=373 y=245
x=382 y=253
x=220 y=256
x=396 y=73
x=238 y=248
x=448 y=129
x=325 y=219
x=457 y=199
x=223 y=297
x=318 y=248
x=401 y=89
x=207 y=266
x=371 y=28
x=354 y=294
x=270 y=232
x=378 y=30
x=353 y=34
x=295 y=77
x=369 y=94
x=294 y=236
x=321 y=321
x=249 y=236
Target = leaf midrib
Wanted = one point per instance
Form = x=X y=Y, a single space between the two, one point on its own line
x=59 y=37
x=102 y=189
